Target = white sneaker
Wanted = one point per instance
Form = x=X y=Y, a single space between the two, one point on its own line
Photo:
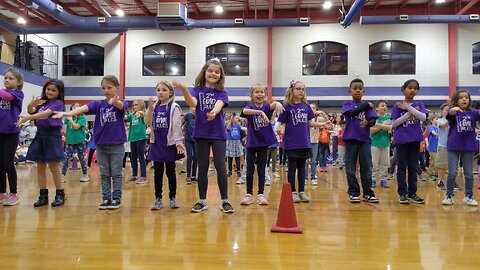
x=295 y=197
x=261 y=200
x=268 y=182
x=84 y=178
x=247 y=200
x=468 y=200
x=314 y=182
x=240 y=181
x=448 y=200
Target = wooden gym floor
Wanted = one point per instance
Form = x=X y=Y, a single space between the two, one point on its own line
x=337 y=234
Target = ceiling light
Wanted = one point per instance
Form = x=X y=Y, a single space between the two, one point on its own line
x=162 y=52
x=440 y=1
x=82 y=53
x=231 y=50
x=21 y=20
x=309 y=48
x=120 y=12
x=174 y=70
x=218 y=9
x=327 y=5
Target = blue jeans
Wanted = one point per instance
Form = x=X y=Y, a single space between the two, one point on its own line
x=362 y=152
x=407 y=156
x=313 y=162
x=138 y=153
x=191 y=159
x=467 y=163
x=109 y=159
x=322 y=154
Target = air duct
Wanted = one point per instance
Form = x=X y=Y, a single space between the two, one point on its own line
x=55 y=29
x=419 y=19
x=352 y=13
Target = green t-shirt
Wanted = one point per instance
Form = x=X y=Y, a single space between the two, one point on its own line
x=75 y=136
x=382 y=137
x=138 y=129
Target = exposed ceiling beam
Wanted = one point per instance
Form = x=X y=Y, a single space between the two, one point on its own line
x=404 y=3
x=18 y=11
x=246 y=8
x=299 y=4
x=142 y=6
x=430 y=3
x=89 y=7
x=271 y=8
x=467 y=7
x=100 y=9
x=41 y=16
x=195 y=7
x=66 y=7
x=112 y=4
x=377 y=3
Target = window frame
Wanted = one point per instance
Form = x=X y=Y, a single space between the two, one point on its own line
x=475 y=71
x=227 y=55
x=390 y=54
x=182 y=57
x=326 y=54
x=84 y=64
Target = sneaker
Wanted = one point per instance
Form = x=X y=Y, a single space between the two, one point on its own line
x=433 y=177
x=384 y=184
x=64 y=179
x=115 y=204
x=199 y=207
x=188 y=181
x=404 y=199
x=141 y=180
x=194 y=180
x=157 y=205
x=314 y=182
x=415 y=199
x=261 y=200
x=84 y=178
x=133 y=179
x=229 y=174
x=12 y=199
x=468 y=200
x=389 y=176
x=314 y=177
x=448 y=200
x=240 y=181
x=226 y=207
x=457 y=187
x=104 y=205
x=247 y=200
x=303 y=197
x=441 y=185
x=183 y=171
x=3 y=196
x=370 y=199
x=295 y=197
x=174 y=203
x=422 y=178
x=268 y=182
x=276 y=175
x=374 y=183
x=354 y=199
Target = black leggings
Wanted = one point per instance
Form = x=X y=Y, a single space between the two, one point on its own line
x=8 y=146
x=295 y=164
x=90 y=156
x=172 y=179
x=230 y=164
x=203 y=157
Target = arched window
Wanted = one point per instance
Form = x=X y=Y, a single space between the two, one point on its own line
x=83 y=60
x=164 y=59
x=476 y=58
x=325 y=58
x=233 y=56
x=392 y=57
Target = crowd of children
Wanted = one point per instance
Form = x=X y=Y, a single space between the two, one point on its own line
x=294 y=134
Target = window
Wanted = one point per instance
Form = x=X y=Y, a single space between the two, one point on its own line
x=234 y=57
x=325 y=58
x=476 y=58
x=392 y=57
x=83 y=60
x=164 y=59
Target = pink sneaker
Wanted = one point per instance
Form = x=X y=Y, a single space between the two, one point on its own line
x=3 y=196
x=247 y=200
x=141 y=180
x=261 y=200
x=13 y=199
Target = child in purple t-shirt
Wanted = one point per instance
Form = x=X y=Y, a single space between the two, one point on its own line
x=407 y=135
x=259 y=137
x=296 y=121
x=461 y=144
x=11 y=99
x=359 y=117
x=109 y=137
x=208 y=97
x=166 y=140
x=46 y=148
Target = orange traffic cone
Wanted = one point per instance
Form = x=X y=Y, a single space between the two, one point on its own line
x=287 y=218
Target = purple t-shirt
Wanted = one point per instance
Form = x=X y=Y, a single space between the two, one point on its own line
x=410 y=130
x=297 y=132
x=206 y=98
x=461 y=135
x=9 y=112
x=260 y=132
x=353 y=130
x=109 y=127
x=160 y=151
x=49 y=122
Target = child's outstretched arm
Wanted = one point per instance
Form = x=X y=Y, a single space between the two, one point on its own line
x=189 y=99
x=39 y=115
x=148 y=115
x=75 y=112
x=5 y=95
x=418 y=114
x=354 y=112
x=115 y=101
x=277 y=107
x=251 y=112
x=32 y=106
x=219 y=104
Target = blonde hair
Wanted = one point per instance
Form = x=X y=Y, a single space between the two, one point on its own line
x=258 y=85
x=18 y=75
x=110 y=79
x=170 y=87
x=141 y=103
x=200 y=79
x=289 y=94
